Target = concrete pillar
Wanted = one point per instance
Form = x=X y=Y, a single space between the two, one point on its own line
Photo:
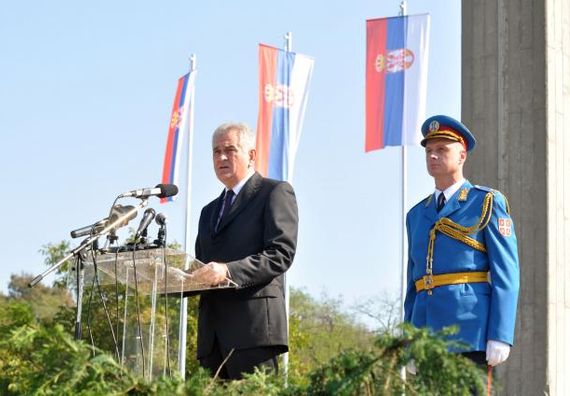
x=516 y=100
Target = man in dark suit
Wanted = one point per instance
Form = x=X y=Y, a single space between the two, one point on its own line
x=249 y=235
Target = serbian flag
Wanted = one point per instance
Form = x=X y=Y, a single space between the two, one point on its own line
x=284 y=79
x=179 y=126
x=396 y=80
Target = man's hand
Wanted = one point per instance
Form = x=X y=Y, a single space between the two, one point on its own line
x=211 y=274
x=497 y=352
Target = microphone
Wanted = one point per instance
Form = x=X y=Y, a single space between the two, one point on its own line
x=145 y=222
x=116 y=212
x=90 y=229
x=161 y=219
x=119 y=211
x=160 y=191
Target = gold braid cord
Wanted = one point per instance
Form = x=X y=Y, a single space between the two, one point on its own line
x=459 y=232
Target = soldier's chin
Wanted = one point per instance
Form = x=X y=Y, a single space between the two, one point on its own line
x=435 y=171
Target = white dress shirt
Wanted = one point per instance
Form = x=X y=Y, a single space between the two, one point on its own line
x=449 y=191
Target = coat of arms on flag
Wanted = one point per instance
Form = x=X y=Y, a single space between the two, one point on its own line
x=284 y=79
x=396 y=80
x=177 y=129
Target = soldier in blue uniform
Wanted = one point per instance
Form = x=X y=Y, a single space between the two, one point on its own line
x=463 y=263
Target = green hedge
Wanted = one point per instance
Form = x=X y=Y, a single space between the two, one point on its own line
x=43 y=359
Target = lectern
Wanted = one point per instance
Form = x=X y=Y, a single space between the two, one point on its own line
x=139 y=293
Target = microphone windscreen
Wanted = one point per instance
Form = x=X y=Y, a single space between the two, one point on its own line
x=167 y=190
x=119 y=211
x=160 y=219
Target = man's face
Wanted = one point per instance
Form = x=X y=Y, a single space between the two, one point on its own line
x=231 y=160
x=444 y=157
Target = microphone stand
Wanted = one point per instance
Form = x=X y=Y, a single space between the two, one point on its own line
x=87 y=242
x=79 y=251
x=80 y=271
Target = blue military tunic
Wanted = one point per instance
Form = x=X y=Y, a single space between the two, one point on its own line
x=484 y=310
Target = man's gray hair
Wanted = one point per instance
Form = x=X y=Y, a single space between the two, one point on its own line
x=246 y=136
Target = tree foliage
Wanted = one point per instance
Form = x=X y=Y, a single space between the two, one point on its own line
x=319 y=330
x=44 y=301
x=330 y=352
x=45 y=360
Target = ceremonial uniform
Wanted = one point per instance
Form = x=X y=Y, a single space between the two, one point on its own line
x=462 y=261
x=473 y=237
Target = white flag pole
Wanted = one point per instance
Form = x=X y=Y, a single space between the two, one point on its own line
x=288 y=47
x=404 y=243
x=187 y=242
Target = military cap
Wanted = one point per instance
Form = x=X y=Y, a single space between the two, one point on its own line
x=444 y=127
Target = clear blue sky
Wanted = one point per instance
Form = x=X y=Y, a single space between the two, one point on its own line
x=85 y=99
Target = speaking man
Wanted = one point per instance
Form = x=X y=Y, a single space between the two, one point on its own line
x=249 y=235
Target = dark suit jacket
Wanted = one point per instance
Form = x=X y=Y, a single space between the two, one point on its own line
x=257 y=241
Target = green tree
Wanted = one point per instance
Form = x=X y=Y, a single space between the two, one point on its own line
x=44 y=301
x=14 y=314
x=319 y=330
x=330 y=352
x=53 y=253
x=378 y=371
x=40 y=360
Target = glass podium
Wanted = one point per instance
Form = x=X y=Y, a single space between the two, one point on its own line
x=132 y=305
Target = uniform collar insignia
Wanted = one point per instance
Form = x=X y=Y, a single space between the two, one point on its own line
x=463 y=195
x=428 y=201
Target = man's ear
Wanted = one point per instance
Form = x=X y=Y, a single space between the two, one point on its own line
x=252 y=157
x=462 y=156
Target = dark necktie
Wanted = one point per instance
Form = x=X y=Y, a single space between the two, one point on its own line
x=440 y=201
x=226 y=207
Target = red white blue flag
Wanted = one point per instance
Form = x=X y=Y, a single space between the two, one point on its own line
x=396 y=80
x=178 y=128
x=284 y=79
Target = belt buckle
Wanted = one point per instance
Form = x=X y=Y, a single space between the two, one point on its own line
x=428 y=283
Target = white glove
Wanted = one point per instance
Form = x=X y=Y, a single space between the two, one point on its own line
x=411 y=367
x=497 y=352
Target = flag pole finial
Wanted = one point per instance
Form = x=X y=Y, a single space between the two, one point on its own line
x=192 y=60
x=288 y=41
x=403 y=7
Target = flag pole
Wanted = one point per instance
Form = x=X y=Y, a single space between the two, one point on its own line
x=404 y=243
x=288 y=48
x=288 y=41
x=187 y=243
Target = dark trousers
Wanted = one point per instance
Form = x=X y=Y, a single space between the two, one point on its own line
x=480 y=359
x=240 y=362
x=477 y=357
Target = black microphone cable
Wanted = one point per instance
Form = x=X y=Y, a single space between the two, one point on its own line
x=80 y=290
x=161 y=242
x=107 y=315
x=117 y=317
x=111 y=238
x=89 y=330
x=139 y=324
